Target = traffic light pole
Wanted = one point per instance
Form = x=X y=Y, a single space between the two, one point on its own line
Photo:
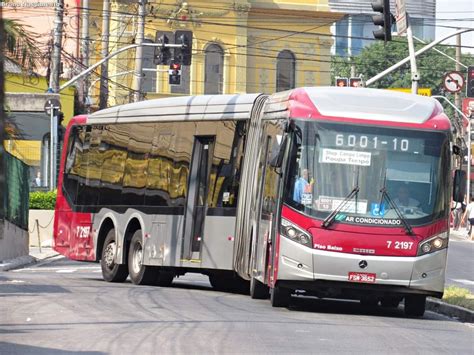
x=417 y=53
x=111 y=55
x=415 y=76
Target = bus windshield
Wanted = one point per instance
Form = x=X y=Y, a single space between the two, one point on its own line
x=329 y=162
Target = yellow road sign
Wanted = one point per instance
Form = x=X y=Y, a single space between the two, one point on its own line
x=422 y=91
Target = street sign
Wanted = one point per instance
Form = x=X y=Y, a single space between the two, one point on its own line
x=468 y=107
x=51 y=104
x=453 y=81
x=401 y=17
x=421 y=91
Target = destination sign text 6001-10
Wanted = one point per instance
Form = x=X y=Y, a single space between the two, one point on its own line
x=375 y=142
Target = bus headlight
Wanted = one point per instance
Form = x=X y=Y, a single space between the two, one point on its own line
x=290 y=231
x=433 y=244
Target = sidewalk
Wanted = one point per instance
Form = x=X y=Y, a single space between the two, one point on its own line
x=460 y=234
x=34 y=257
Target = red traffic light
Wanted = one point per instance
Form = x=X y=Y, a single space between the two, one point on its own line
x=341 y=82
x=355 y=82
x=175 y=66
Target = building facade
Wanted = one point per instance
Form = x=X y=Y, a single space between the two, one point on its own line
x=238 y=46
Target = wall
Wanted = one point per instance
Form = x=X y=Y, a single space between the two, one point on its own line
x=45 y=221
x=13 y=241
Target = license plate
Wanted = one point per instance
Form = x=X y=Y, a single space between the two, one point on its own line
x=362 y=277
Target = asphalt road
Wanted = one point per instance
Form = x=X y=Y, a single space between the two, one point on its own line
x=460 y=268
x=64 y=307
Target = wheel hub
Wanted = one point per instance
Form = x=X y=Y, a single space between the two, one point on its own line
x=137 y=258
x=110 y=255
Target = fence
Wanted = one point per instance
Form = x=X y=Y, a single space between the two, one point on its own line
x=17 y=184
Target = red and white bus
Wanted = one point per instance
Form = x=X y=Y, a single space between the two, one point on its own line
x=330 y=192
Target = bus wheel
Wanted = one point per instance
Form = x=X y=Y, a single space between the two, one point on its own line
x=139 y=274
x=258 y=290
x=111 y=271
x=415 y=305
x=280 y=297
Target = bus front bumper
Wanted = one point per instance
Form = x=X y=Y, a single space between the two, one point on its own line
x=421 y=274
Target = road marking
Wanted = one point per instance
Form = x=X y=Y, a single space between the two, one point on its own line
x=463 y=281
x=66 y=271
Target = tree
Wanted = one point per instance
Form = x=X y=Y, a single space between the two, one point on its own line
x=379 y=56
x=20 y=45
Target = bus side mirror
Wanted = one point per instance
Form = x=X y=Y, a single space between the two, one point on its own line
x=459 y=185
x=277 y=160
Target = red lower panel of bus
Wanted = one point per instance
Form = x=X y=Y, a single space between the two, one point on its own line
x=74 y=235
x=364 y=239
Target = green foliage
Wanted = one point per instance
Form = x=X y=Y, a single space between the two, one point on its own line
x=379 y=56
x=459 y=297
x=40 y=200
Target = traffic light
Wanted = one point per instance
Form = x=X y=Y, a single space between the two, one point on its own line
x=470 y=81
x=342 y=82
x=384 y=19
x=163 y=55
x=175 y=74
x=183 y=54
x=355 y=82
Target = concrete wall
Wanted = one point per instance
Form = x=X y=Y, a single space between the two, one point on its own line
x=13 y=241
x=45 y=222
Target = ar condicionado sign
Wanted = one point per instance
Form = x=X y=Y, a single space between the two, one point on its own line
x=422 y=91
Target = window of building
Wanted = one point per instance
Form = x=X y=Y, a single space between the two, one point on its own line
x=214 y=74
x=285 y=71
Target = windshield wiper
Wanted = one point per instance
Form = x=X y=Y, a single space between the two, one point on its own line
x=383 y=190
x=330 y=219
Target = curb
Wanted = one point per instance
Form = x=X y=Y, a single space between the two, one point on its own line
x=17 y=262
x=450 y=310
x=24 y=261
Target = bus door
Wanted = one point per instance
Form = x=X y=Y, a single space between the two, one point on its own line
x=196 y=203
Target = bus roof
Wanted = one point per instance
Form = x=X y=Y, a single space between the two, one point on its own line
x=355 y=103
x=188 y=108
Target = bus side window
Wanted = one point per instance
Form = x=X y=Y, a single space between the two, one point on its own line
x=226 y=164
x=72 y=164
x=113 y=148
x=136 y=165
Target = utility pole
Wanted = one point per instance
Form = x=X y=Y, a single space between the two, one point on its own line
x=85 y=48
x=457 y=96
x=104 y=71
x=139 y=51
x=58 y=34
x=2 y=129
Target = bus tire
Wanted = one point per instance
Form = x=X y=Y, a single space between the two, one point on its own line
x=415 y=305
x=258 y=290
x=280 y=297
x=112 y=272
x=139 y=274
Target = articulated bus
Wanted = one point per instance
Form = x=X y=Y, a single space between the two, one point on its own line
x=326 y=192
